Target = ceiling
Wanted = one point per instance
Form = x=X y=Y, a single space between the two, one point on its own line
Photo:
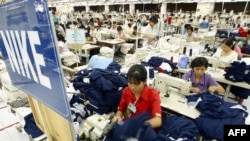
x=103 y=2
x=112 y=2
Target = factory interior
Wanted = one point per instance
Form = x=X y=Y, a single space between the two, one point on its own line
x=124 y=70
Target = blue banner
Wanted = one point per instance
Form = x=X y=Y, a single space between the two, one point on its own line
x=29 y=50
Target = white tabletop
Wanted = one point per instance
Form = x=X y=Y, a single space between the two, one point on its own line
x=112 y=41
x=178 y=103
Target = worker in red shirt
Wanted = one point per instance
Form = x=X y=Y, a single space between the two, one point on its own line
x=138 y=98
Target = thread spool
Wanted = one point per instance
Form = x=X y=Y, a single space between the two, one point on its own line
x=76 y=127
x=184 y=50
x=151 y=72
x=190 y=52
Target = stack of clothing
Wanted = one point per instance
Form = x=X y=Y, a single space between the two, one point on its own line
x=215 y=113
x=135 y=128
x=102 y=88
x=237 y=73
x=160 y=64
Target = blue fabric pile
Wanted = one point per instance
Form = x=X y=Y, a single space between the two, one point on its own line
x=178 y=128
x=102 y=88
x=222 y=33
x=236 y=71
x=173 y=128
x=133 y=128
x=156 y=62
x=30 y=126
x=247 y=78
x=215 y=113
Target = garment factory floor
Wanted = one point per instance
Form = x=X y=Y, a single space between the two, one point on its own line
x=9 y=121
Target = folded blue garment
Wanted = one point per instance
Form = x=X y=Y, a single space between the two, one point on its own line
x=183 y=62
x=100 y=62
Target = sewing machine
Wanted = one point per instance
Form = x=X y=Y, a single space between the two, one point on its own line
x=214 y=61
x=172 y=92
x=97 y=126
x=164 y=82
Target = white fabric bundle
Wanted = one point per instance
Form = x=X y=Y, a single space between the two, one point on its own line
x=107 y=52
x=125 y=47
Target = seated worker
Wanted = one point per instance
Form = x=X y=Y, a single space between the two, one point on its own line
x=201 y=81
x=248 y=38
x=138 y=98
x=245 y=44
x=125 y=47
x=60 y=32
x=236 y=48
x=247 y=41
x=91 y=37
x=93 y=41
x=225 y=54
x=93 y=32
x=134 y=32
x=190 y=35
x=204 y=23
x=68 y=58
x=149 y=32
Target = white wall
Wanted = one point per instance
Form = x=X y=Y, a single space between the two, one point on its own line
x=64 y=8
x=205 y=8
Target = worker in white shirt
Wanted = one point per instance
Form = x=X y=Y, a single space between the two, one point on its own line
x=149 y=32
x=68 y=58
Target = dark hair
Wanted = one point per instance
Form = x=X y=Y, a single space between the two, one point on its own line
x=129 y=25
x=230 y=41
x=190 y=28
x=153 y=19
x=119 y=28
x=199 y=61
x=186 y=26
x=137 y=73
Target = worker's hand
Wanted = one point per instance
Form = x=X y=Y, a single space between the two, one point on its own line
x=116 y=119
x=212 y=89
x=195 y=90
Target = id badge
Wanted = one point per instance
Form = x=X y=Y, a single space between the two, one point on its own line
x=132 y=107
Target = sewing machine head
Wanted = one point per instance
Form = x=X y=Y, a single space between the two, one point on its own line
x=163 y=82
x=214 y=61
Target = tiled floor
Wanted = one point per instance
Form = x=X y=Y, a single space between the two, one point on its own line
x=8 y=124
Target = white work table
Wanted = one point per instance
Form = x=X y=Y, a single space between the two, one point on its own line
x=178 y=103
x=83 y=49
x=112 y=42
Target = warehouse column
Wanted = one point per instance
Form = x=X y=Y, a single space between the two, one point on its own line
x=106 y=8
x=163 y=10
x=132 y=9
x=205 y=8
x=87 y=8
